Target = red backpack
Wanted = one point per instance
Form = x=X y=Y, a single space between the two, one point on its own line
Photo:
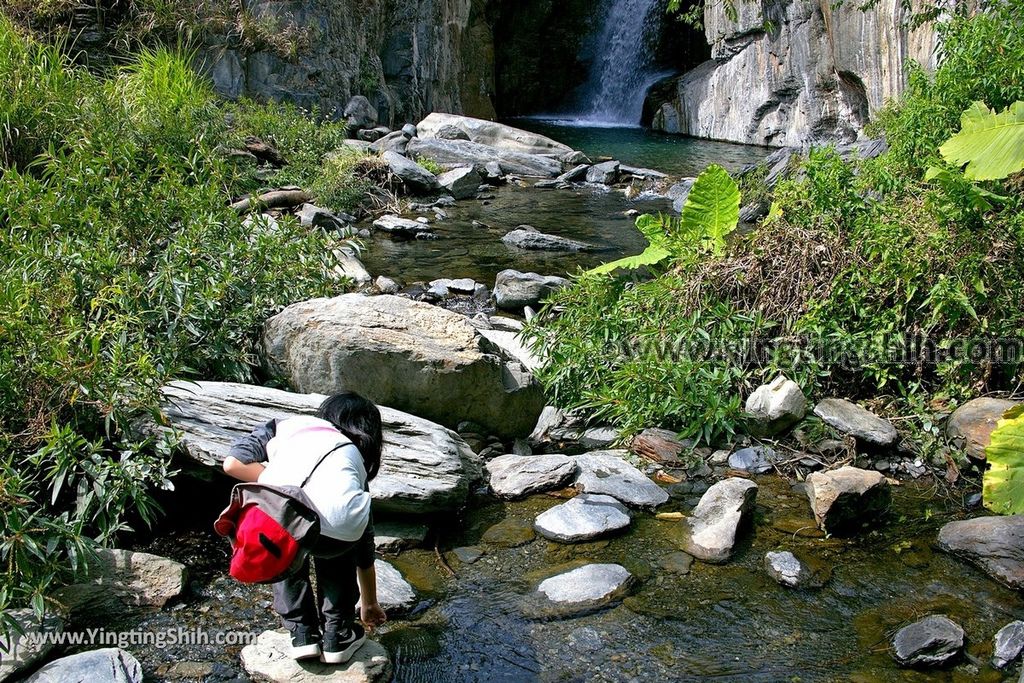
x=271 y=529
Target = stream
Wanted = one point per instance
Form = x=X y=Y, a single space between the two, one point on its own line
x=723 y=623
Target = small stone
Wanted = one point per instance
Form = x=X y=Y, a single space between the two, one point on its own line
x=720 y=457
x=461 y=183
x=710 y=532
x=400 y=227
x=786 y=568
x=409 y=130
x=677 y=563
x=605 y=173
x=659 y=445
x=599 y=437
x=392 y=536
x=755 y=459
x=582 y=518
x=468 y=554
x=386 y=285
x=1008 y=644
x=930 y=642
x=513 y=289
x=776 y=406
x=412 y=175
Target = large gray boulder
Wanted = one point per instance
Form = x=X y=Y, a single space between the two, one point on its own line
x=414 y=176
x=18 y=652
x=932 y=641
x=776 y=406
x=492 y=133
x=267 y=661
x=461 y=183
x=850 y=418
x=995 y=544
x=514 y=476
x=513 y=289
x=123 y=579
x=605 y=173
x=844 y=499
x=529 y=238
x=609 y=473
x=709 y=533
x=109 y=665
x=585 y=589
x=360 y=114
x=453 y=153
x=425 y=468
x=585 y=517
x=971 y=425
x=405 y=354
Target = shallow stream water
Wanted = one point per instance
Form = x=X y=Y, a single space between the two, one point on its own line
x=723 y=623
x=469 y=239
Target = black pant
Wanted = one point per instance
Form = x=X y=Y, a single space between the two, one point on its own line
x=337 y=591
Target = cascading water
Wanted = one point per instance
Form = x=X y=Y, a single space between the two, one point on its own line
x=623 y=68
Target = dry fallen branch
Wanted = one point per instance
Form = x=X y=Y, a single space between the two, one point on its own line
x=275 y=199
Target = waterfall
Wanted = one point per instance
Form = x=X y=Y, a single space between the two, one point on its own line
x=623 y=68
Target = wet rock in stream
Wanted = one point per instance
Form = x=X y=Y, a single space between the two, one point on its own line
x=583 y=518
x=267 y=661
x=583 y=590
x=709 y=534
x=608 y=472
x=108 y=665
x=515 y=476
x=846 y=498
x=932 y=641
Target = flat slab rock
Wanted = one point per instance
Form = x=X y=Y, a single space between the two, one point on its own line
x=932 y=641
x=401 y=227
x=424 y=466
x=406 y=354
x=709 y=533
x=109 y=665
x=995 y=544
x=792 y=572
x=609 y=473
x=850 y=418
x=391 y=536
x=515 y=476
x=267 y=661
x=394 y=593
x=529 y=238
x=844 y=499
x=121 y=579
x=585 y=517
x=585 y=589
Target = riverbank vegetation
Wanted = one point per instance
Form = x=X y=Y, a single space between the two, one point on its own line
x=123 y=265
x=860 y=272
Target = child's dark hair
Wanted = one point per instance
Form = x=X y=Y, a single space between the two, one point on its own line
x=358 y=419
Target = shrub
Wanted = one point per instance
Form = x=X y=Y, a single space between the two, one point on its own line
x=853 y=259
x=123 y=267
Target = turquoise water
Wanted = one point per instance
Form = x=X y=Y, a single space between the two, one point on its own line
x=676 y=155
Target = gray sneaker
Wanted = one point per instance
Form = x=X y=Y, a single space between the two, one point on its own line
x=338 y=648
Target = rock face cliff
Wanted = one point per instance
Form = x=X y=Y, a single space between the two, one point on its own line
x=408 y=58
x=788 y=72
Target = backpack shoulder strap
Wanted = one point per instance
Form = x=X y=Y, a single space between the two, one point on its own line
x=309 y=476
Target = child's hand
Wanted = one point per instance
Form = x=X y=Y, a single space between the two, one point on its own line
x=372 y=615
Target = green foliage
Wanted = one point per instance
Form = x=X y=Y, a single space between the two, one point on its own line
x=123 y=267
x=341 y=184
x=430 y=165
x=710 y=213
x=712 y=209
x=653 y=228
x=1003 y=489
x=856 y=260
x=991 y=144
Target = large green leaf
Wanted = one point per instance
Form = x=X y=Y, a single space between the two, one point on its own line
x=991 y=144
x=653 y=228
x=1003 y=485
x=712 y=208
